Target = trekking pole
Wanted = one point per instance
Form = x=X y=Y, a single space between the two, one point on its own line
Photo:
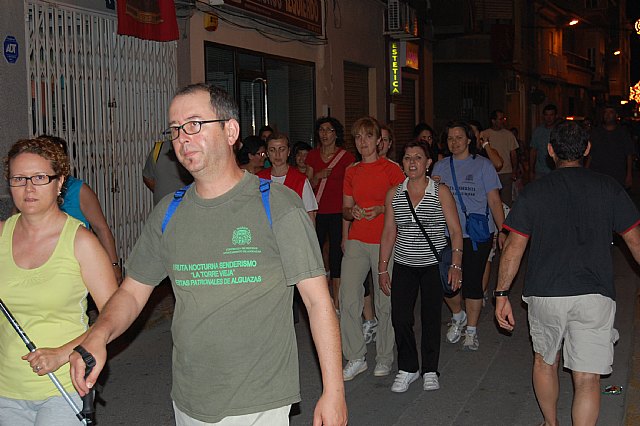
x=86 y=415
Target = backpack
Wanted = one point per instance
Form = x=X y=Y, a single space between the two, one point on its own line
x=265 y=186
x=157 y=147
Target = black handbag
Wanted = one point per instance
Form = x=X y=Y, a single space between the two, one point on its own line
x=443 y=257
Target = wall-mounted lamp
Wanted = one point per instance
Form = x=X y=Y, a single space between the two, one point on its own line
x=573 y=22
x=210 y=21
x=623 y=102
x=616 y=53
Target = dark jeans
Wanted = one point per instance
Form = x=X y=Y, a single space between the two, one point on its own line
x=331 y=224
x=406 y=283
x=473 y=264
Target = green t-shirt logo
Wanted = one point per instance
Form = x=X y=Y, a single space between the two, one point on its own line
x=241 y=236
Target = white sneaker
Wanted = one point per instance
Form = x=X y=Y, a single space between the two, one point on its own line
x=369 y=330
x=403 y=380
x=382 y=369
x=471 y=342
x=430 y=382
x=455 y=329
x=353 y=368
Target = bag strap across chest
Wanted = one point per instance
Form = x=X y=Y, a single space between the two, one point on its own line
x=265 y=186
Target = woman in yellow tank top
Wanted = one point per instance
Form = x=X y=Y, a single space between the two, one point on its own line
x=49 y=264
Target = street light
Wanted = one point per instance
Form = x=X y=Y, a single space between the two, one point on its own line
x=616 y=53
x=573 y=22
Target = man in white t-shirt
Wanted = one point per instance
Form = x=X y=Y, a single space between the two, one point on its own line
x=506 y=144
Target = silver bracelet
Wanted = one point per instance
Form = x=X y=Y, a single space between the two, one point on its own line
x=454 y=266
x=456 y=250
x=383 y=272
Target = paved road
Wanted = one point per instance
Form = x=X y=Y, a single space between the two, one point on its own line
x=490 y=387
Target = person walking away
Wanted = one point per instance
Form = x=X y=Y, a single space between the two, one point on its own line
x=612 y=149
x=539 y=160
x=567 y=218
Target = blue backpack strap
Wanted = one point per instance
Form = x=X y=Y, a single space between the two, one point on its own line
x=177 y=199
x=265 y=186
x=455 y=184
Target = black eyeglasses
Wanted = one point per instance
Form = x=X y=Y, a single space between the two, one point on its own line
x=190 y=128
x=37 y=180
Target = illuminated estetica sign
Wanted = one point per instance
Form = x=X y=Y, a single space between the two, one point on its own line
x=396 y=61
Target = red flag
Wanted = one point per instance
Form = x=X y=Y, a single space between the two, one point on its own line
x=148 y=19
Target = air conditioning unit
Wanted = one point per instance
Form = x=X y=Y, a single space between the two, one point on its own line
x=393 y=15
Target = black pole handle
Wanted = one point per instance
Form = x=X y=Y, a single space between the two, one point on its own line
x=88 y=410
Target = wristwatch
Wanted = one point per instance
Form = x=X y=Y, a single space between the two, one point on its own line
x=501 y=293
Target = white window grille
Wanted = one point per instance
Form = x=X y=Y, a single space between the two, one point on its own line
x=107 y=96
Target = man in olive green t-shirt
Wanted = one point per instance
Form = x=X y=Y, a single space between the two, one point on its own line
x=234 y=350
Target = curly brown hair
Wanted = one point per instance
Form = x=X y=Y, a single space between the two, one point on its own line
x=46 y=148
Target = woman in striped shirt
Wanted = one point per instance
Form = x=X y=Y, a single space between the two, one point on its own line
x=415 y=265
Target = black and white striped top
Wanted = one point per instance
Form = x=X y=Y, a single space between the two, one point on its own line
x=411 y=248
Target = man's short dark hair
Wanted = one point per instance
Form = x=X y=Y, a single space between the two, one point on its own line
x=223 y=105
x=421 y=127
x=569 y=140
x=494 y=114
x=550 y=107
x=265 y=128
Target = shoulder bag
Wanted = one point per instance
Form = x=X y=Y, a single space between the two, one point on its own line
x=443 y=257
x=477 y=225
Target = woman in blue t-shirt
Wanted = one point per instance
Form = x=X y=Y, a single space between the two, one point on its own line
x=477 y=189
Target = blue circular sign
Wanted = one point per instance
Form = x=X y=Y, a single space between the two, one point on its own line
x=11 y=49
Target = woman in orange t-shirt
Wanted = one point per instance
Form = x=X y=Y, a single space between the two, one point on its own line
x=365 y=186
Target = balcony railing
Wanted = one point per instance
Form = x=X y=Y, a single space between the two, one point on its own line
x=552 y=65
x=578 y=61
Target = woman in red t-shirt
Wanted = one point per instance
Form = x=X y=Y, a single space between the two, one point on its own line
x=365 y=187
x=329 y=161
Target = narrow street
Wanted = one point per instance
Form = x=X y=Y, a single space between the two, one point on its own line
x=490 y=387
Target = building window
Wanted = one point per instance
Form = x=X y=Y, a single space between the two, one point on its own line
x=289 y=104
x=591 y=56
x=591 y=4
x=475 y=101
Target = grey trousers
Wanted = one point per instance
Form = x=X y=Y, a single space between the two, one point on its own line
x=358 y=259
x=54 y=411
